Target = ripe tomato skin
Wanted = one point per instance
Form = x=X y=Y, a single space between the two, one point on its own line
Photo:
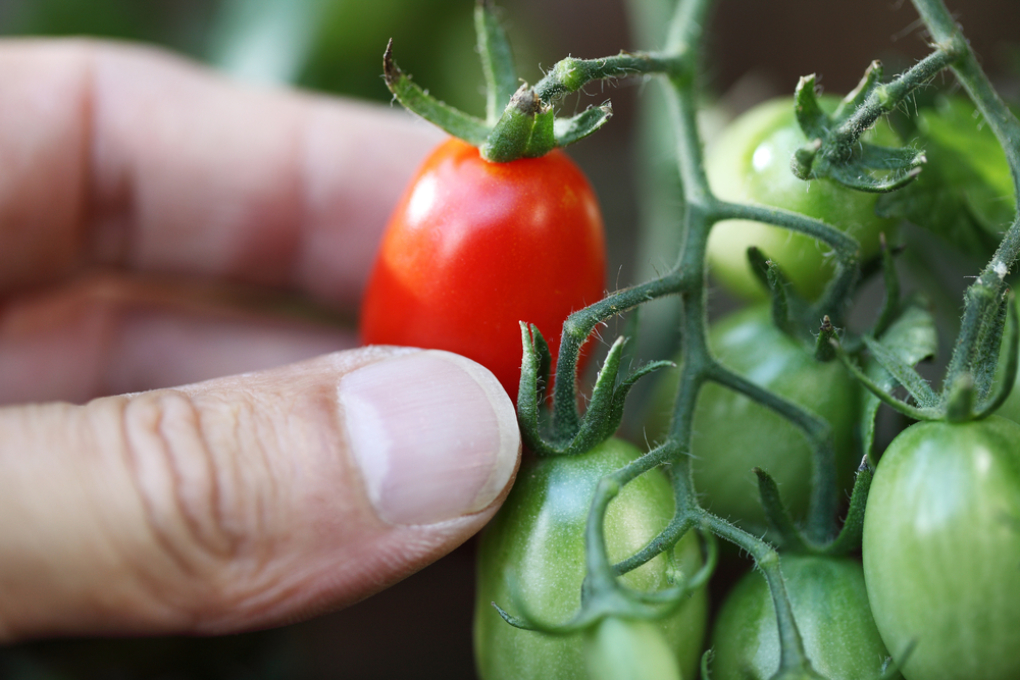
x=750 y=162
x=942 y=549
x=474 y=247
x=535 y=545
x=733 y=435
x=830 y=605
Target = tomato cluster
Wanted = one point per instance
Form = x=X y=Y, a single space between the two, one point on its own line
x=532 y=560
x=724 y=455
x=476 y=247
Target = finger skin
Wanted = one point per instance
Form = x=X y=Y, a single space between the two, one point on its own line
x=148 y=167
x=218 y=507
x=109 y=334
x=130 y=157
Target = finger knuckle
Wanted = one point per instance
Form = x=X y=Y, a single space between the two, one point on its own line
x=193 y=481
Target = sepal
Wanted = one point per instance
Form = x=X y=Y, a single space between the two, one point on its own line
x=605 y=408
x=416 y=100
x=570 y=130
x=836 y=152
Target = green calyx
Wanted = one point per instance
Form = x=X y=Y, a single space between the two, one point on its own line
x=835 y=150
x=520 y=122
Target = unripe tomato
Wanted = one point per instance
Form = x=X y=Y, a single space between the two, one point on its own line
x=942 y=549
x=750 y=163
x=474 y=247
x=733 y=435
x=534 y=551
x=830 y=606
x=618 y=649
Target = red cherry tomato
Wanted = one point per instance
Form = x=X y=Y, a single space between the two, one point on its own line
x=474 y=247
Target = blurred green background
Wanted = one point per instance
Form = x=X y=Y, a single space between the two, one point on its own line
x=421 y=628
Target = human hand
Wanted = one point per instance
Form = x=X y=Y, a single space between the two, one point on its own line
x=141 y=200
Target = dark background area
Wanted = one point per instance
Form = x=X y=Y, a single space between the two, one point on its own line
x=421 y=627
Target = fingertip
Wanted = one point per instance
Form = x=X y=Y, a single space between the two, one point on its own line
x=434 y=435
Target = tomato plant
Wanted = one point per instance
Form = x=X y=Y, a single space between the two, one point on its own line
x=750 y=161
x=830 y=603
x=733 y=434
x=942 y=549
x=532 y=555
x=475 y=247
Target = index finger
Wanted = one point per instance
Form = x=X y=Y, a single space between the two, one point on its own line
x=126 y=156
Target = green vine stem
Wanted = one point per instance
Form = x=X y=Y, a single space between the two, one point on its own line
x=792 y=657
x=687 y=279
x=986 y=291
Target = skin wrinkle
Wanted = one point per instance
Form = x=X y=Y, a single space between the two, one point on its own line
x=227 y=580
x=133 y=452
x=322 y=546
x=152 y=580
x=135 y=575
x=205 y=521
x=255 y=551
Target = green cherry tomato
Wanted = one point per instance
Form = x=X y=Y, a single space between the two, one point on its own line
x=830 y=606
x=532 y=557
x=942 y=549
x=474 y=248
x=750 y=163
x=733 y=435
x=618 y=649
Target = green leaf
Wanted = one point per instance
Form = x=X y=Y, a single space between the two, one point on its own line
x=903 y=373
x=965 y=194
x=535 y=364
x=810 y=116
x=875 y=157
x=788 y=535
x=911 y=337
x=838 y=153
x=986 y=357
x=858 y=175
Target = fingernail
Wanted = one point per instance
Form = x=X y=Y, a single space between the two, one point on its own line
x=434 y=434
